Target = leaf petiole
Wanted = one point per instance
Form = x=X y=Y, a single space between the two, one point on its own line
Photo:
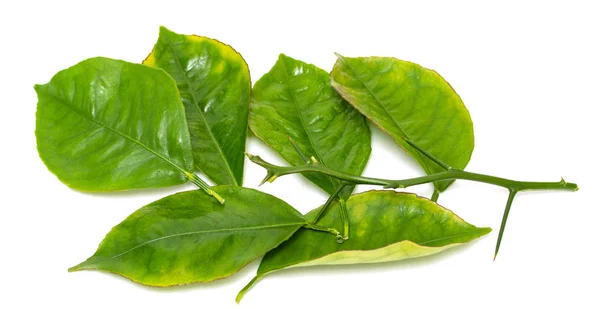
x=204 y=186
x=330 y=200
x=435 y=195
x=320 y=228
x=344 y=215
x=332 y=197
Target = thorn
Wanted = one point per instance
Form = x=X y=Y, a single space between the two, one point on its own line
x=269 y=178
x=265 y=179
x=509 y=202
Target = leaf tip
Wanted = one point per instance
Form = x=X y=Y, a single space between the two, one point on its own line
x=163 y=30
x=38 y=88
x=339 y=56
x=78 y=267
x=485 y=230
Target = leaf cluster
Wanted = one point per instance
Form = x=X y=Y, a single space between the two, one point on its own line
x=110 y=125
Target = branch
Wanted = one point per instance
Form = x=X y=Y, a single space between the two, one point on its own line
x=275 y=171
x=513 y=186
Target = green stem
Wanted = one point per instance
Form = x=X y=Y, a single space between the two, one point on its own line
x=452 y=174
x=345 y=220
x=435 y=195
x=340 y=239
x=320 y=228
x=329 y=201
x=513 y=186
x=204 y=186
x=243 y=291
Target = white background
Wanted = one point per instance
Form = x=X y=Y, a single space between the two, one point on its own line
x=528 y=72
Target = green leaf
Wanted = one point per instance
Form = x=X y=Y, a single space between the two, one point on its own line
x=410 y=102
x=214 y=83
x=295 y=100
x=384 y=226
x=106 y=125
x=189 y=237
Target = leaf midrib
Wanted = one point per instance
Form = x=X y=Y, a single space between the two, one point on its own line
x=294 y=103
x=196 y=104
x=115 y=131
x=259 y=227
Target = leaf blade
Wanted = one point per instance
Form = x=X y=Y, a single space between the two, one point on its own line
x=214 y=82
x=408 y=101
x=96 y=132
x=189 y=237
x=384 y=226
x=294 y=100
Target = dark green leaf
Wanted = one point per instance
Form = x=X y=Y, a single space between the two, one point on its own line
x=106 y=125
x=189 y=237
x=295 y=100
x=384 y=226
x=408 y=101
x=214 y=83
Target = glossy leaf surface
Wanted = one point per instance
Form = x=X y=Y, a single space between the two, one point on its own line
x=384 y=226
x=408 y=101
x=214 y=83
x=106 y=125
x=189 y=237
x=295 y=99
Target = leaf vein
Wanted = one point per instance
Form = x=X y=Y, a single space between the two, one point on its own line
x=196 y=104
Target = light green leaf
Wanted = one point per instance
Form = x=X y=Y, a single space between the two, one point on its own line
x=105 y=125
x=189 y=237
x=410 y=102
x=295 y=100
x=214 y=83
x=384 y=226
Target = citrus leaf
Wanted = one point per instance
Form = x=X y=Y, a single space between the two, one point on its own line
x=214 y=83
x=410 y=102
x=105 y=125
x=295 y=100
x=189 y=237
x=384 y=226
